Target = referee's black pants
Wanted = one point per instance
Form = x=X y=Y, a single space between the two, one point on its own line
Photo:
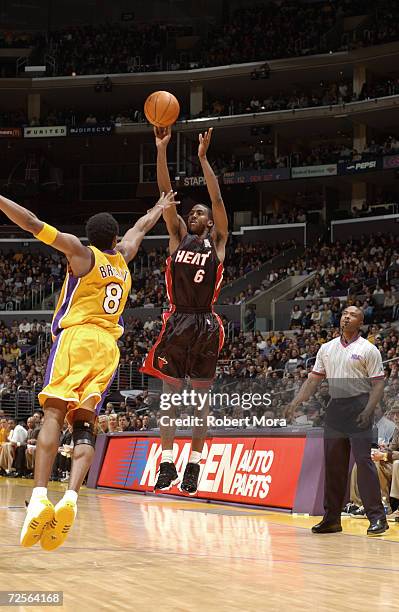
x=337 y=447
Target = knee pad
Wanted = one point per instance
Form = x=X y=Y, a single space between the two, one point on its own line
x=83 y=433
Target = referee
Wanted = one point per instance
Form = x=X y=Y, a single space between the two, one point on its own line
x=354 y=370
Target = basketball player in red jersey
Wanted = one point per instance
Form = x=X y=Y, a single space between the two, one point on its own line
x=192 y=334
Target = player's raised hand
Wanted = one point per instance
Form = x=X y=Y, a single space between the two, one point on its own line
x=167 y=200
x=204 y=142
x=162 y=136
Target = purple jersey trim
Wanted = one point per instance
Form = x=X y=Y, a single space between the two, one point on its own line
x=70 y=287
x=104 y=393
x=50 y=361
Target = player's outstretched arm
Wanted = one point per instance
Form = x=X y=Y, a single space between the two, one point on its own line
x=221 y=229
x=176 y=227
x=78 y=255
x=129 y=245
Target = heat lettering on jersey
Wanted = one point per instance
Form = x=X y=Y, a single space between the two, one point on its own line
x=195 y=259
x=108 y=270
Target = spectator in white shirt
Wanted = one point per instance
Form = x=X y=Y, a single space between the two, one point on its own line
x=296 y=316
x=16 y=438
x=25 y=326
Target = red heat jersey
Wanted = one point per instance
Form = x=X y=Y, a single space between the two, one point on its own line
x=194 y=275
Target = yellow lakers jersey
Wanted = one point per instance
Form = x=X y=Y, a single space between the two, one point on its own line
x=98 y=298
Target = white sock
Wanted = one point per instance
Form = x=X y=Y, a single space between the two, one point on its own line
x=195 y=457
x=39 y=492
x=167 y=455
x=70 y=496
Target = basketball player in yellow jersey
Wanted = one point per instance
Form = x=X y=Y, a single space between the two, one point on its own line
x=86 y=325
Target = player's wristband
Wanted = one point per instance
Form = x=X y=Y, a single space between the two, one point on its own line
x=48 y=234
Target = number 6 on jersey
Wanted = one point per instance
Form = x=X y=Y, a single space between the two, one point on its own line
x=113 y=295
x=199 y=276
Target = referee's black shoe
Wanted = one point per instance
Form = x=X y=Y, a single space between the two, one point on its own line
x=189 y=483
x=378 y=528
x=327 y=527
x=167 y=477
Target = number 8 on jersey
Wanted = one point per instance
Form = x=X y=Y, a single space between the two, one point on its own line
x=113 y=295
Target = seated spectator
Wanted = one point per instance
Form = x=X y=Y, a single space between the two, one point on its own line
x=113 y=426
x=62 y=463
x=15 y=439
x=296 y=316
x=124 y=423
x=33 y=433
x=102 y=424
x=293 y=362
x=386 y=460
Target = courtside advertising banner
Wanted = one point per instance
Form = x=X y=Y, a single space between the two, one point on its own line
x=359 y=167
x=91 y=130
x=10 y=132
x=49 y=131
x=310 y=171
x=261 y=471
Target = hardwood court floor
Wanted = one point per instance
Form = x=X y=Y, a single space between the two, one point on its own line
x=153 y=553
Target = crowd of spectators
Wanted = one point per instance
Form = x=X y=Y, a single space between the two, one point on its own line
x=112 y=48
x=363 y=265
x=148 y=289
x=261 y=157
x=271 y=362
x=27 y=278
x=383 y=26
x=326 y=312
x=269 y=31
x=279 y=363
x=274 y=362
x=364 y=272
x=324 y=94
x=257 y=32
x=20 y=365
x=367 y=269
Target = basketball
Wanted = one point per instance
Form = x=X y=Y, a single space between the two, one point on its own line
x=161 y=108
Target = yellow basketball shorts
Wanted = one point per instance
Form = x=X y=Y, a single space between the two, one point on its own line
x=82 y=364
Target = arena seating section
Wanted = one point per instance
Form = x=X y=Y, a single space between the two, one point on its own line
x=291 y=30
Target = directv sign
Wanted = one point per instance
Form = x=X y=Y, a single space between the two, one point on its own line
x=358 y=167
x=91 y=130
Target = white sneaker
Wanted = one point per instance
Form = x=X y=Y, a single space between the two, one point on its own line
x=393 y=517
x=39 y=512
x=360 y=513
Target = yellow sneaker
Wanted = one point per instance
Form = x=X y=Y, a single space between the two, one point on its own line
x=39 y=512
x=55 y=533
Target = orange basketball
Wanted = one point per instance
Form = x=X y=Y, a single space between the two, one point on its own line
x=161 y=108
